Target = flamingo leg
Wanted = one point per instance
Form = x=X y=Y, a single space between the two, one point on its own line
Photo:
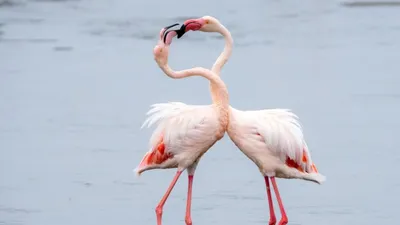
x=284 y=219
x=272 y=218
x=159 y=208
x=188 y=217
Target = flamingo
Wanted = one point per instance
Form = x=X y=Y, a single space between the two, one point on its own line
x=272 y=138
x=184 y=132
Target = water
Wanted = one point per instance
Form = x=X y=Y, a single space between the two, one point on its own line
x=77 y=77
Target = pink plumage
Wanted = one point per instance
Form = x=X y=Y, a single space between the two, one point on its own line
x=272 y=138
x=183 y=132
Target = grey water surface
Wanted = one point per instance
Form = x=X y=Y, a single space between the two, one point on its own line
x=78 y=76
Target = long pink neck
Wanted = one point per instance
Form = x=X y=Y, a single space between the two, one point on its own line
x=226 y=53
x=219 y=93
x=224 y=56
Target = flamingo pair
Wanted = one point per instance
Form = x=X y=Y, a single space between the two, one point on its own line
x=272 y=138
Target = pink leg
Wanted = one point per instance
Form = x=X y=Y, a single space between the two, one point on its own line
x=272 y=218
x=188 y=217
x=284 y=219
x=159 y=208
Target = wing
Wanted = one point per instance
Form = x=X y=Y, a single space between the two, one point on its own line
x=180 y=126
x=283 y=134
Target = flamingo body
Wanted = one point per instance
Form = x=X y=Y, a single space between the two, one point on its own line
x=273 y=140
x=183 y=132
x=182 y=135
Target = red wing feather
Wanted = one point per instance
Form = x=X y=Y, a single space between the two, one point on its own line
x=293 y=164
x=157 y=155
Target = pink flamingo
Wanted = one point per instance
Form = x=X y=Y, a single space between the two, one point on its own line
x=184 y=132
x=272 y=138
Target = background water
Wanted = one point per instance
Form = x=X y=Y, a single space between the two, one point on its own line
x=77 y=77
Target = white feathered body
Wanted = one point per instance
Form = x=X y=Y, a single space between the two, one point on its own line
x=182 y=135
x=273 y=139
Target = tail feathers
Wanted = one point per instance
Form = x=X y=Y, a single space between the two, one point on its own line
x=139 y=169
x=155 y=156
x=303 y=163
x=307 y=172
x=316 y=177
x=314 y=168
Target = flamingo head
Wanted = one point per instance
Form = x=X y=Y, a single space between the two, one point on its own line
x=205 y=24
x=161 y=50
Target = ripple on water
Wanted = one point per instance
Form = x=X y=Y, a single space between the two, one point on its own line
x=29 y=21
x=9 y=3
x=7 y=188
x=104 y=150
x=63 y=48
x=10 y=222
x=30 y=40
x=359 y=4
x=83 y=183
x=18 y=210
x=334 y=210
x=127 y=183
x=288 y=16
x=376 y=95
x=1 y=31
x=238 y=197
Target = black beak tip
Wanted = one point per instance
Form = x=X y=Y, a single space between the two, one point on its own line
x=181 y=31
x=167 y=27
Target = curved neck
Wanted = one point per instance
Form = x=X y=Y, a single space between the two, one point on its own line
x=224 y=56
x=226 y=53
x=219 y=94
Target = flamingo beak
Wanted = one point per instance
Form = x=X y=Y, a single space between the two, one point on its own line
x=179 y=32
x=164 y=32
